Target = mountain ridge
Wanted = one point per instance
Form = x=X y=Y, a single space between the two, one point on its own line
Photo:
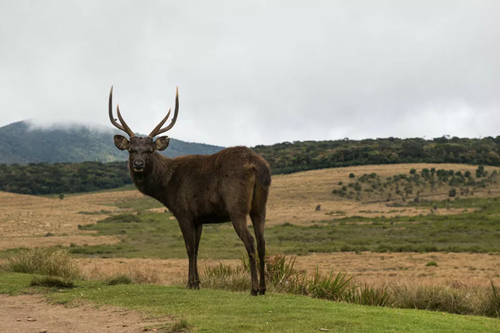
x=25 y=144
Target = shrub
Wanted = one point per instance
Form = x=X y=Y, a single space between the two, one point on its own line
x=121 y=218
x=51 y=282
x=351 y=175
x=452 y=193
x=118 y=279
x=413 y=171
x=180 y=325
x=44 y=261
x=431 y=263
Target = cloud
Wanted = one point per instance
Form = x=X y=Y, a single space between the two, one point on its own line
x=258 y=72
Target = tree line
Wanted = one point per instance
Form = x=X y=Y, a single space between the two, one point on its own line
x=286 y=157
x=289 y=157
x=44 y=178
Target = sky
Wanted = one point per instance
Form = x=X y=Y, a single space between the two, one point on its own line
x=256 y=72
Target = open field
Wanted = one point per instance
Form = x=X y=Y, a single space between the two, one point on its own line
x=453 y=244
x=358 y=226
x=372 y=268
x=221 y=311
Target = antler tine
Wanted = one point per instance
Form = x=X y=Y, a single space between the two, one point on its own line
x=124 y=128
x=157 y=129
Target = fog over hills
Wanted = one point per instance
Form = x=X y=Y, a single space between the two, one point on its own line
x=28 y=142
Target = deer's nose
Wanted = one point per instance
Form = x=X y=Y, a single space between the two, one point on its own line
x=139 y=164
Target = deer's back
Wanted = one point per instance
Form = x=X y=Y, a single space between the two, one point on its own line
x=206 y=186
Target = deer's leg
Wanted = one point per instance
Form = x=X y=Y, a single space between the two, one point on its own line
x=198 y=230
x=240 y=226
x=189 y=235
x=258 y=222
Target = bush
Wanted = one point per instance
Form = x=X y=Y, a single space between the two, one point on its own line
x=351 y=175
x=452 y=193
x=431 y=263
x=44 y=261
x=51 y=282
x=122 y=218
x=118 y=279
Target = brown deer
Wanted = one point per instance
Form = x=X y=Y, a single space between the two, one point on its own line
x=198 y=189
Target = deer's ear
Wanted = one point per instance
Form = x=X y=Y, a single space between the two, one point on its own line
x=121 y=142
x=162 y=142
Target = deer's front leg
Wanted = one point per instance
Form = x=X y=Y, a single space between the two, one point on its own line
x=189 y=234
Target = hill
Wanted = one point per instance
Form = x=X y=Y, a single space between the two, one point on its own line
x=23 y=144
x=289 y=157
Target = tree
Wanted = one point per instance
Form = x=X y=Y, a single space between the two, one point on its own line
x=61 y=196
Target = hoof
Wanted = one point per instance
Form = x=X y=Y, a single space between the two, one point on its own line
x=254 y=292
x=262 y=291
x=193 y=286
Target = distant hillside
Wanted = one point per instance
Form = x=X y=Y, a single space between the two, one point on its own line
x=291 y=157
x=22 y=144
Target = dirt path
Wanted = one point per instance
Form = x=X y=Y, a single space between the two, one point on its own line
x=32 y=314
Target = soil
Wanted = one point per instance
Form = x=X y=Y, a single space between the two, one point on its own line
x=32 y=313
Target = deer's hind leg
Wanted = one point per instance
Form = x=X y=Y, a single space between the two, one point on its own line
x=240 y=226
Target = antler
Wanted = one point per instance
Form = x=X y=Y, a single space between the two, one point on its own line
x=125 y=127
x=158 y=130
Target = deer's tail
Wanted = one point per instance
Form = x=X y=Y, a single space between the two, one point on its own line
x=261 y=188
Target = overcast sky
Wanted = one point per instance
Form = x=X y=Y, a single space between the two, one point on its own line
x=256 y=72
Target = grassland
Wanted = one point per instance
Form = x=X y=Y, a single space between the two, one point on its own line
x=220 y=311
x=378 y=237
x=157 y=235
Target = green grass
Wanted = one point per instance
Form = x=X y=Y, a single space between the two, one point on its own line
x=51 y=282
x=44 y=261
x=140 y=204
x=159 y=237
x=222 y=311
x=154 y=235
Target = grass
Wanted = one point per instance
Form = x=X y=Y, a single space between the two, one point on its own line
x=118 y=279
x=51 y=282
x=129 y=187
x=157 y=236
x=221 y=311
x=43 y=261
x=139 y=204
x=281 y=276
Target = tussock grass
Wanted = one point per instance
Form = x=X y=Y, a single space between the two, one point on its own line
x=44 y=261
x=283 y=277
x=51 y=282
x=118 y=279
x=121 y=218
x=180 y=325
x=127 y=275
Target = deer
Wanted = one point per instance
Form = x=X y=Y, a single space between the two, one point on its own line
x=201 y=189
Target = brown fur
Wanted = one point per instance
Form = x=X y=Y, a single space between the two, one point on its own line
x=200 y=189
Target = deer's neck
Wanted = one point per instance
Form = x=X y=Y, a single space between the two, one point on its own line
x=155 y=179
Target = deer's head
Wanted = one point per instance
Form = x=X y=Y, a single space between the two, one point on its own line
x=141 y=149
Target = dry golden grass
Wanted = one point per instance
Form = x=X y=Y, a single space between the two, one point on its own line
x=472 y=269
x=293 y=199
